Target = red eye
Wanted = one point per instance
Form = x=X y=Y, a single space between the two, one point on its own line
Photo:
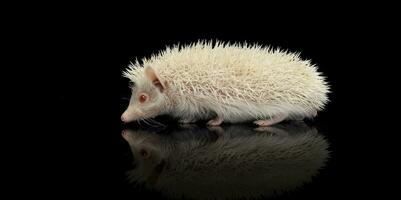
x=142 y=98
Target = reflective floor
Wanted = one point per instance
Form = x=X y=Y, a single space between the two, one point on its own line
x=226 y=162
x=87 y=153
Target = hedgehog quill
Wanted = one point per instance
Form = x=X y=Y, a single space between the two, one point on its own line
x=225 y=83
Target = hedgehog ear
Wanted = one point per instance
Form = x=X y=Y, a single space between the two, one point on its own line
x=154 y=77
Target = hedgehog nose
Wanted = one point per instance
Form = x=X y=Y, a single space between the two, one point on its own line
x=123 y=119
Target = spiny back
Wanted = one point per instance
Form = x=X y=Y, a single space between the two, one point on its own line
x=232 y=73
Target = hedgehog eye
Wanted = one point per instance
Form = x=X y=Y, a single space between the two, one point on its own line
x=142 y=98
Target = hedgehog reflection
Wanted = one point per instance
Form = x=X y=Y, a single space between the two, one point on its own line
x=227 y=162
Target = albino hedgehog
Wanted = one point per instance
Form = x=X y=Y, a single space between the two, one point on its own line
x=224 y=82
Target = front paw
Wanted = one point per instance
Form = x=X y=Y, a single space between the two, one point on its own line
x=216 y=121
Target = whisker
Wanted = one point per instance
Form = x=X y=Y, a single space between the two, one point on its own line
x=144 y=120
x=156 y=122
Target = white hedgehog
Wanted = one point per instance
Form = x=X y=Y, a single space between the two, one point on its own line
x=223 y=82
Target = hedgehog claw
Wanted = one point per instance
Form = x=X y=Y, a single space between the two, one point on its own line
x=269 y=122
x=264 y=122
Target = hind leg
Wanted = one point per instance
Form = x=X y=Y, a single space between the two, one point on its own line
x=215 y=121
x=268 y=122
x=314 y=113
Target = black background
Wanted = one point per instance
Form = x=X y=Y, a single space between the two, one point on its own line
x=81 y=54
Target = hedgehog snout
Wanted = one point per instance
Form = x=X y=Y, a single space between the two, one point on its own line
x=131 y=114
x=124 y=119
x=127 y=116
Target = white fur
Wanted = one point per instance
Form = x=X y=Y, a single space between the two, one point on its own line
x=237 y=82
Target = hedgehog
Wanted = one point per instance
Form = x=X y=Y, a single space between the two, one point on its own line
x=222 y=82
x=241 y=164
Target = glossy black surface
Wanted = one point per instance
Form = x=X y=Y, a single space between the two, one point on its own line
x=228 y=162
x=89 y=157
x=101 y=157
